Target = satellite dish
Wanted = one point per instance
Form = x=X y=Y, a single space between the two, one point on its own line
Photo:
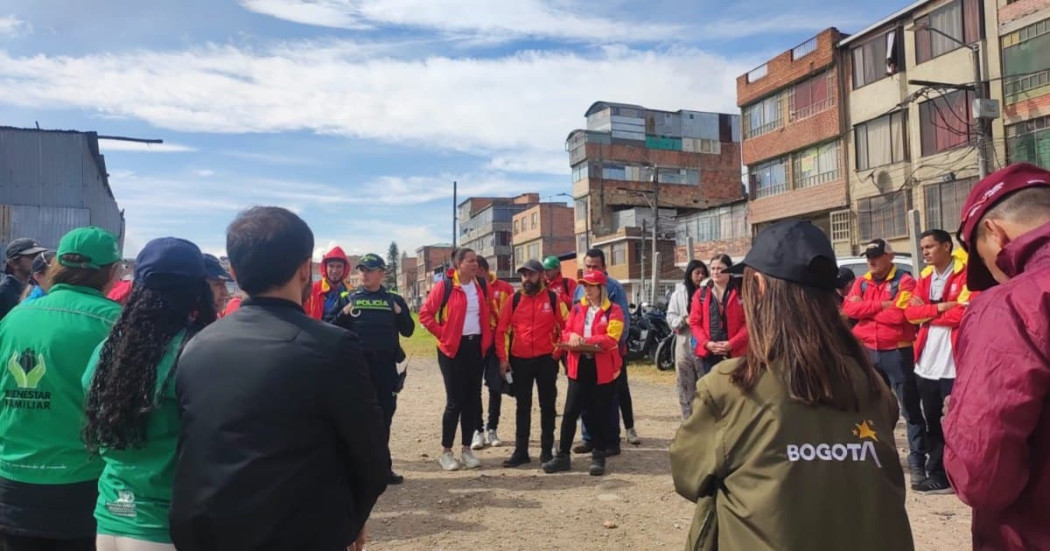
x=883 y=181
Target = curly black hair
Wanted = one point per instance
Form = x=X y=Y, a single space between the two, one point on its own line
x=123 y=389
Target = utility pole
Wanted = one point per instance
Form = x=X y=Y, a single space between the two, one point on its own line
x=455 y=211
x=656 y=224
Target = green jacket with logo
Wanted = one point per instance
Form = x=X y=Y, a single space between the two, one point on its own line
x=770 y=473
x=45 y=347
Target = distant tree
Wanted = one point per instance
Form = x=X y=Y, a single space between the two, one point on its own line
x=393 y=259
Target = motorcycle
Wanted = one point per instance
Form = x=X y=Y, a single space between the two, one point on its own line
x=648 y=330
x=665 y=353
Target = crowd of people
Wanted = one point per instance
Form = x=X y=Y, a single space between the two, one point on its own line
x=155 y=412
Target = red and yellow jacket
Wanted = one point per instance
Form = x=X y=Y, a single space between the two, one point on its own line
x=564 y=287
x=449 y=331
x=606 y=330
x=878 y=328
x=315 y=303
x=700 y=321
x=499 y=293
x=531 y=329
x=927 y=315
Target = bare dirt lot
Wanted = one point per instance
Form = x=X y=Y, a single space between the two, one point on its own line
x=633 y=507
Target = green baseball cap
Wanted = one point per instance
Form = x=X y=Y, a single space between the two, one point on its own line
x=97 y=245
x=551 y=263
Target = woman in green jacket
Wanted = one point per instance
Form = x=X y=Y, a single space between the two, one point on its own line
x=48 y=481
x=132 y=415
x=791 y=447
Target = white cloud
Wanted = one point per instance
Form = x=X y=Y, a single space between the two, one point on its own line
x=495 y=20
x=766 y=24
x=120 y=145
x=204 y=173
x=11 y=25
x=516 y=109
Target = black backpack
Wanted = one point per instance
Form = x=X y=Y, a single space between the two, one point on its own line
x=895 y=283
x=448 y=293
x=517 y=299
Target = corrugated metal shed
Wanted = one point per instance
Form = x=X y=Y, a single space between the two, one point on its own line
x=51 y=182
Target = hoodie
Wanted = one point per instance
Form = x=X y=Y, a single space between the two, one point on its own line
x=315 y=305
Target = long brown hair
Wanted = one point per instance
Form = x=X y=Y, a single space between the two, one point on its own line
x=99 y=279
x=796 y=333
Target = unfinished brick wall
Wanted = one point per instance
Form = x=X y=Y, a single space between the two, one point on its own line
x=783 y=70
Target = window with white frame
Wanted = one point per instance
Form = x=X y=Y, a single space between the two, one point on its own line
x=817 y=165
x=763 y=117
x=769 y=178
x=881 y=141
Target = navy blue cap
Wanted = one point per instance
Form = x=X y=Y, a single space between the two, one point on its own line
x=213 y=268
x=167 y=258
x=371 y=262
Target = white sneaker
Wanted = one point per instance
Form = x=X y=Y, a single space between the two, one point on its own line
x=632 y=437
x=448 y=462
x=469 y=461
x=494 y=440
x=479 y=440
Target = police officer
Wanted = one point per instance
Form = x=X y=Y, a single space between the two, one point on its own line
x=378 y=316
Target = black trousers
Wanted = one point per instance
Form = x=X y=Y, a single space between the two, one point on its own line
x=932 y=394
x=897 y=368
x=623 y=397
x=586 y=394
x=9 y=542
x=383 y=369
x=462 y=376
x=544 y=371
x=493 y=381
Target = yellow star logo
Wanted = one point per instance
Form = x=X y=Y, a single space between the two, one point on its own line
x=865 y=430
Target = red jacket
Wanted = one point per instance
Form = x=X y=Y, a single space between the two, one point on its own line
x=531 y=329
x=232 y=306
x=449 y=331
x=700 y=321
x=499 y=293
x=927 y=315
x=606 y=330
x=566 y=288
x=997 y=433
x=878 y=328
x=315 y=303
x=120 y=292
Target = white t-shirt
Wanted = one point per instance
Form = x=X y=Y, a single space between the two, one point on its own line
x=937 y=361
x=472 y=323
x=588 y=321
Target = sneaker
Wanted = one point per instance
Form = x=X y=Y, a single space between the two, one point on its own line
x=448 y=462
x=583 y=448
x=494 y=440
x=479 y=440
x=394 y=479
x=560 y=463
x=632 y=437
x=918 y=476
x=546 y=456
x=933 y=486
x=597 y=463
x=469 y=461
x=517 y=459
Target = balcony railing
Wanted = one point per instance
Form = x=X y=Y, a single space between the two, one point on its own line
x=811 y=110
x=817 y=179
x=764 y=129
x=1023 y=84
x=804 y=49
x=769 y=191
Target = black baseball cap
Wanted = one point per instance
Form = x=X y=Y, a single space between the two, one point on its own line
x=795 y=251
x=371 y=262
x=214 y=270
x=876 y=248
x=23 y=247
x=167 y=259
x=531 y=266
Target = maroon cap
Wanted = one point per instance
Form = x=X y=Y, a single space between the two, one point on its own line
x=985 y=195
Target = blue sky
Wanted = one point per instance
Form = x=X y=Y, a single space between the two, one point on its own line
x=358 y=114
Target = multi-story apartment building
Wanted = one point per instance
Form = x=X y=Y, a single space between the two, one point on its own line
x=794 y=123
x=713 y=231
x=542 y=230
x=913 y=143
x=630 y=162
x=485 y=227
x=1024 y=41
x=407 y=280
x=431 y=262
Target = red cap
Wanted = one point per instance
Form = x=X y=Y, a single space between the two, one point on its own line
x=985 y=195
x=594 y=277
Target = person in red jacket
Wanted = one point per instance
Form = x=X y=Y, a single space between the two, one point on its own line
x=329 y=295
x=499 y=291
x=464 y=333
x=525 y=341
x=716 y=317
x=877 y=302
x=595 y=321
x=937 y=306
x=565 y=287
x=997 y=433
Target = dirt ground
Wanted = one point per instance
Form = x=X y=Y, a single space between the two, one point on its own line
x=633 y=507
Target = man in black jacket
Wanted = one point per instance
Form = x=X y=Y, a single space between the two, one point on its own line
x=283 y=444
x=377 y=316
x=18 y=266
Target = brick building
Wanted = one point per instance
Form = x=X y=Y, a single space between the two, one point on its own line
x=407 y=279
x=914 y=146
x=542 y=230
x=631 y=161
x=794 y=123
x=485 y=227
x=431 y=261
x=1024 y=39
x=718 y=230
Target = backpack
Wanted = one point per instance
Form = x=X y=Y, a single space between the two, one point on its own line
x=448 y=292
x=895 y=283
x=551 y=294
